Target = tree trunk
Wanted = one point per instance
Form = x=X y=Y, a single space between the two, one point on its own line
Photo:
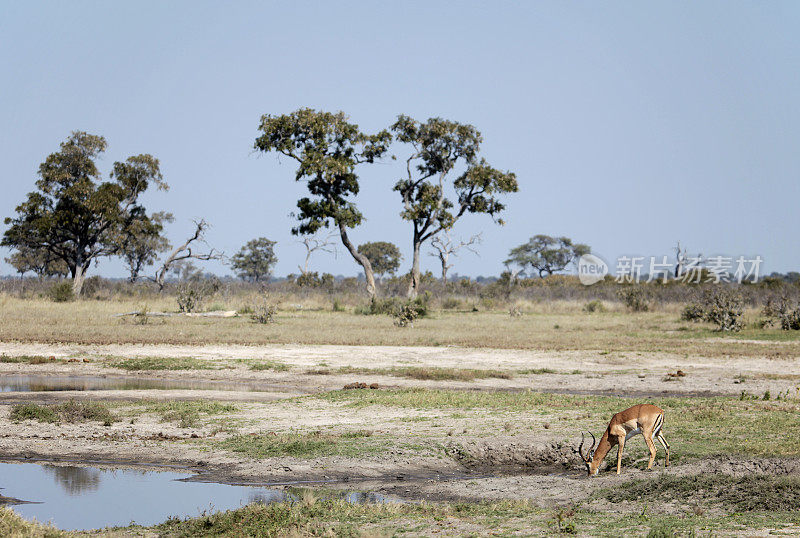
x=362 y=260
x=444 y=272
x=79 y=274
x=413 y=286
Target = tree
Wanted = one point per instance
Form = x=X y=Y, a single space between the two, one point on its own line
x=546 y=255
x=38 y=261
x=254 y=261
x=141 y=242
x=73 y=216
x=446 y=246
x=313 y=243
x=327 y=148
x=383 y=256
x=180 y=256
x=437 y=147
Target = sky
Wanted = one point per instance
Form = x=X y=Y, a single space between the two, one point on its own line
x=630 y=125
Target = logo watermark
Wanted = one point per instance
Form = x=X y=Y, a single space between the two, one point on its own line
x=637 y=269
x=591 y=269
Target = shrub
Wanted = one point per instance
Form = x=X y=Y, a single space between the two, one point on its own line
x=634 y=298
x=264 y=313
x=337 y=306
x=724 y=308
x=406 y=315
x=693 y=312
x=514 y=312
x=32 y=412
x=778 y=310
x=61 y=292
x=193 y=293
x=595 y=305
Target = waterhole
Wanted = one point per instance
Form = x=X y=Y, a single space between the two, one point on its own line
x=41 y=383
x=82 y=498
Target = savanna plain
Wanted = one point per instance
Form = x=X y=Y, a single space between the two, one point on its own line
x=470 y=418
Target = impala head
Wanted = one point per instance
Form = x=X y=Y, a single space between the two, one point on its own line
x=588 y=458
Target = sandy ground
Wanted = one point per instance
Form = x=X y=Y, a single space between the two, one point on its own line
x=621 y=373
x=533 y=463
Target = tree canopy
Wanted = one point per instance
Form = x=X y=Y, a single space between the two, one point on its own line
x=546 y=255
x=385 y=257
x=73 y=215
x=438 y=146
x=327 y=148
x=255 y=260
x=142 y=241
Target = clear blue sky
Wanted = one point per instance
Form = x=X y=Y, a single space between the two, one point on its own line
x=630 y=125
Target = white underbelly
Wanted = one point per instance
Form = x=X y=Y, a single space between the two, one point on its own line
x=631 y=433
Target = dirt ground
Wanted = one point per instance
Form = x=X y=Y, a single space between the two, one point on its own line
x=532 y=462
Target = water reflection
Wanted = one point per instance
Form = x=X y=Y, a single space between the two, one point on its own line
x=33 y=383
x=82 y=498
x=74 y=480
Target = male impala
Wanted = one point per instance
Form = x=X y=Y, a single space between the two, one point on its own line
x=646 y=419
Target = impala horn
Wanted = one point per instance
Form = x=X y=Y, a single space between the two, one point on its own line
x=580 y=448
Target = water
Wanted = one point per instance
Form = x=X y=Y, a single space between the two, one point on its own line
x=37 y=383
x=82 y=498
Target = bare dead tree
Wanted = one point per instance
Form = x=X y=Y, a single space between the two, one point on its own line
x=315 y=243
x=446 y=246
x=185 y=252
x=680 y=256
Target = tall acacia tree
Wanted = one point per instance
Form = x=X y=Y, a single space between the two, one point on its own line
x=328 y=148
x=73 y=215
x=438 y=147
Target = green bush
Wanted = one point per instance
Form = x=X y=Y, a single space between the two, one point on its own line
x=724 y=308
x=406 y=315
x=693 y=312
x=61 y=292
x=594 y=306
x=32 y=412
x=634 y=298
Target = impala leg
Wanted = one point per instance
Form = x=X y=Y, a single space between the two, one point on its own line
x=620 y=446
x=664 y=443
x=652 y=447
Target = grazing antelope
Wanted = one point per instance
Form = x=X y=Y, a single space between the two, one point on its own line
x=646 y=419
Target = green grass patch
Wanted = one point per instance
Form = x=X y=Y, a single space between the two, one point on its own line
x=161 y=363
x=29 y=359
x=31 y=411
x=301 y=445
x=310 y=516
x=749 y=493
x=269 y=365
x=426 y=373
x=187 y=413
x=695 y=427
x=72 y=411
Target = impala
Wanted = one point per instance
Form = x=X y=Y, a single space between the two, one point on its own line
x=646 y=419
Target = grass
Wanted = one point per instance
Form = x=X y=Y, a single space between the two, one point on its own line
x=187 y=413
x=72 y=411
x=309 y=516
x=15 y=526
x=29 y=359
x=269 y=365
x=93 y=322
x=748 y=493
x=160 y=363
x=696 y=427
x=428 y=373
x=300 y=445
